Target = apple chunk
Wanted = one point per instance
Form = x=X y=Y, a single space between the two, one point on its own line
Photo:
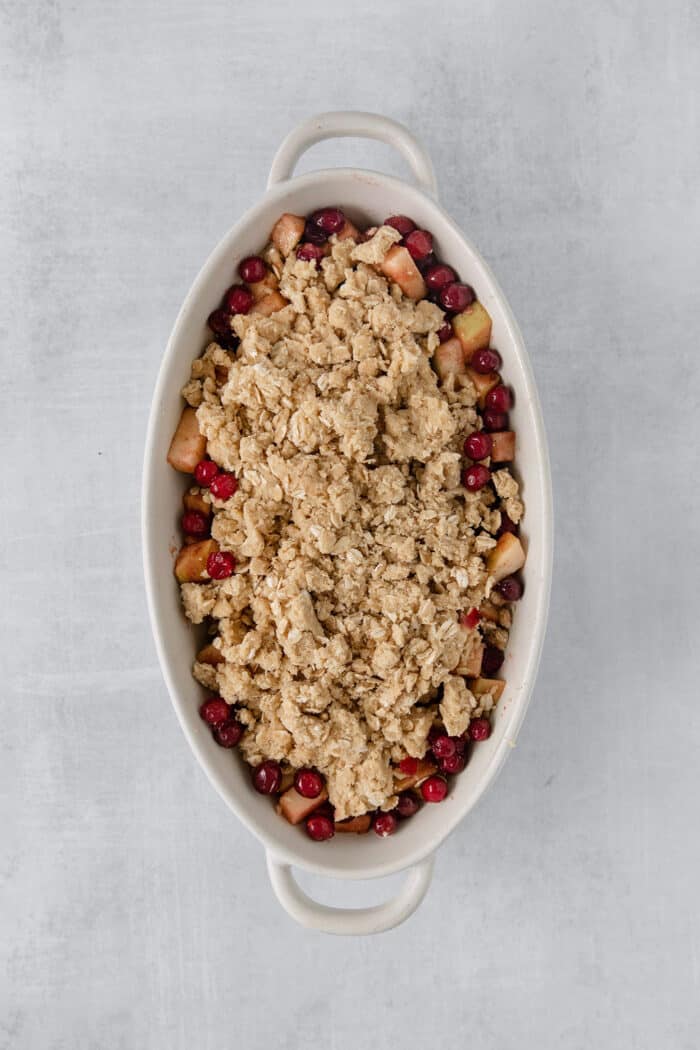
x=196 y=501
x=481 y=686
x=295 y=808
x=358 y=825
x=482 y=383
x=399 y=267
x=188 y=445
x=506 y=557
x=425 y=770
x=473 y=328
x=191 y=562
x=503 y=446
x=210 y=655
x=259 y=289
x=449 y=358
x=269 y=304
x=287 y=232
x=348 y=232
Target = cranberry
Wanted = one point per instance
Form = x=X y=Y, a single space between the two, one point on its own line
x=499 y=399
x=238 y=299
x=407 y=804
x=479 y=729
x=223 y=486
x=436 y=277
x=319 y=827
x=252 y=269
x=461 y=744
x=491 y=661
x=506 y=525
x=443 y=746
x=309 y=252
x=325 y=810
x=315 y=234
x=485 y=361
x=495 y=420
x=424 y=265
x=470 y=619
x=419 y=243
x=385 y=824
x=215 y=711
x=220 y=323
x=220 y=565
x=308 y=783
x=452 y=763
x=456 y=297
x=402 y=223
x=194 y=523
x=267 y=777
x=409 y=765
x=478 y=445
x=205 y=472
x=331 y=220
x=475 y=477
x=434 y=789
x=511 y=588
x=228 y=734
x=446 y=332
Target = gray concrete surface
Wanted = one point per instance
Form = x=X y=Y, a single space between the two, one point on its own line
x=135 y=911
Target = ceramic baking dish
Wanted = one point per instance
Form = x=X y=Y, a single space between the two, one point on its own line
x=367 y=197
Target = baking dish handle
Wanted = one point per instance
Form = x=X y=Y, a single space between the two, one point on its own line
x=353 y=125
x=352 y=921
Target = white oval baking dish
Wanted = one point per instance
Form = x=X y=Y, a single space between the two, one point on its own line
x=367 y=197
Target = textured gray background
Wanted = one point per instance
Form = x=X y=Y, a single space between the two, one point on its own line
x=135 y=911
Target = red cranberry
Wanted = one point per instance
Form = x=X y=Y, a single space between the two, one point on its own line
x=461 y=744
x=494 y=421
x=419 y=243
x=309 y=252
x=308 y=783
x=470 y=619
x=215 y=711
x=475 y=477
x=319 y=827
x=331 y=220
x=220 y=323
x=506 y=525
x=205 y=472
x=436 y=277
x=407 y=804
x=325 y=810
x=511 y=588
x=402 y=223
x=223 y=486
x=267 y=777
x=252 y=269
x=424 y=265
x=385 y=824
x=228 y=734
x=434 y=789
x=314 y=234
x=485 y=361
x=452 y=764
x=238 y=299
x=443 y=746
x=220 y=565
x=479 y=729
x=194 y=523
x=478 y=445
x=409 y=765
x=456 y=297
x=446 y=332
x=491 y=661
x=499 y=399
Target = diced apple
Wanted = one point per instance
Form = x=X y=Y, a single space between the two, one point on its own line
x=399 y=267
x=188 y=445
x=191 y=562
x=473 y=328
x=481 y=686
x=348 y=232
x=286 y=782
x=482 y=383
x=358 y=825
x=503 y=446
x=295 y=808
x=426 y=768
x=506 y=557
x=196 y=501
x=287 y=232
x=449 y=358
x=210 y=655
x=260 y=289
x=270 y=304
